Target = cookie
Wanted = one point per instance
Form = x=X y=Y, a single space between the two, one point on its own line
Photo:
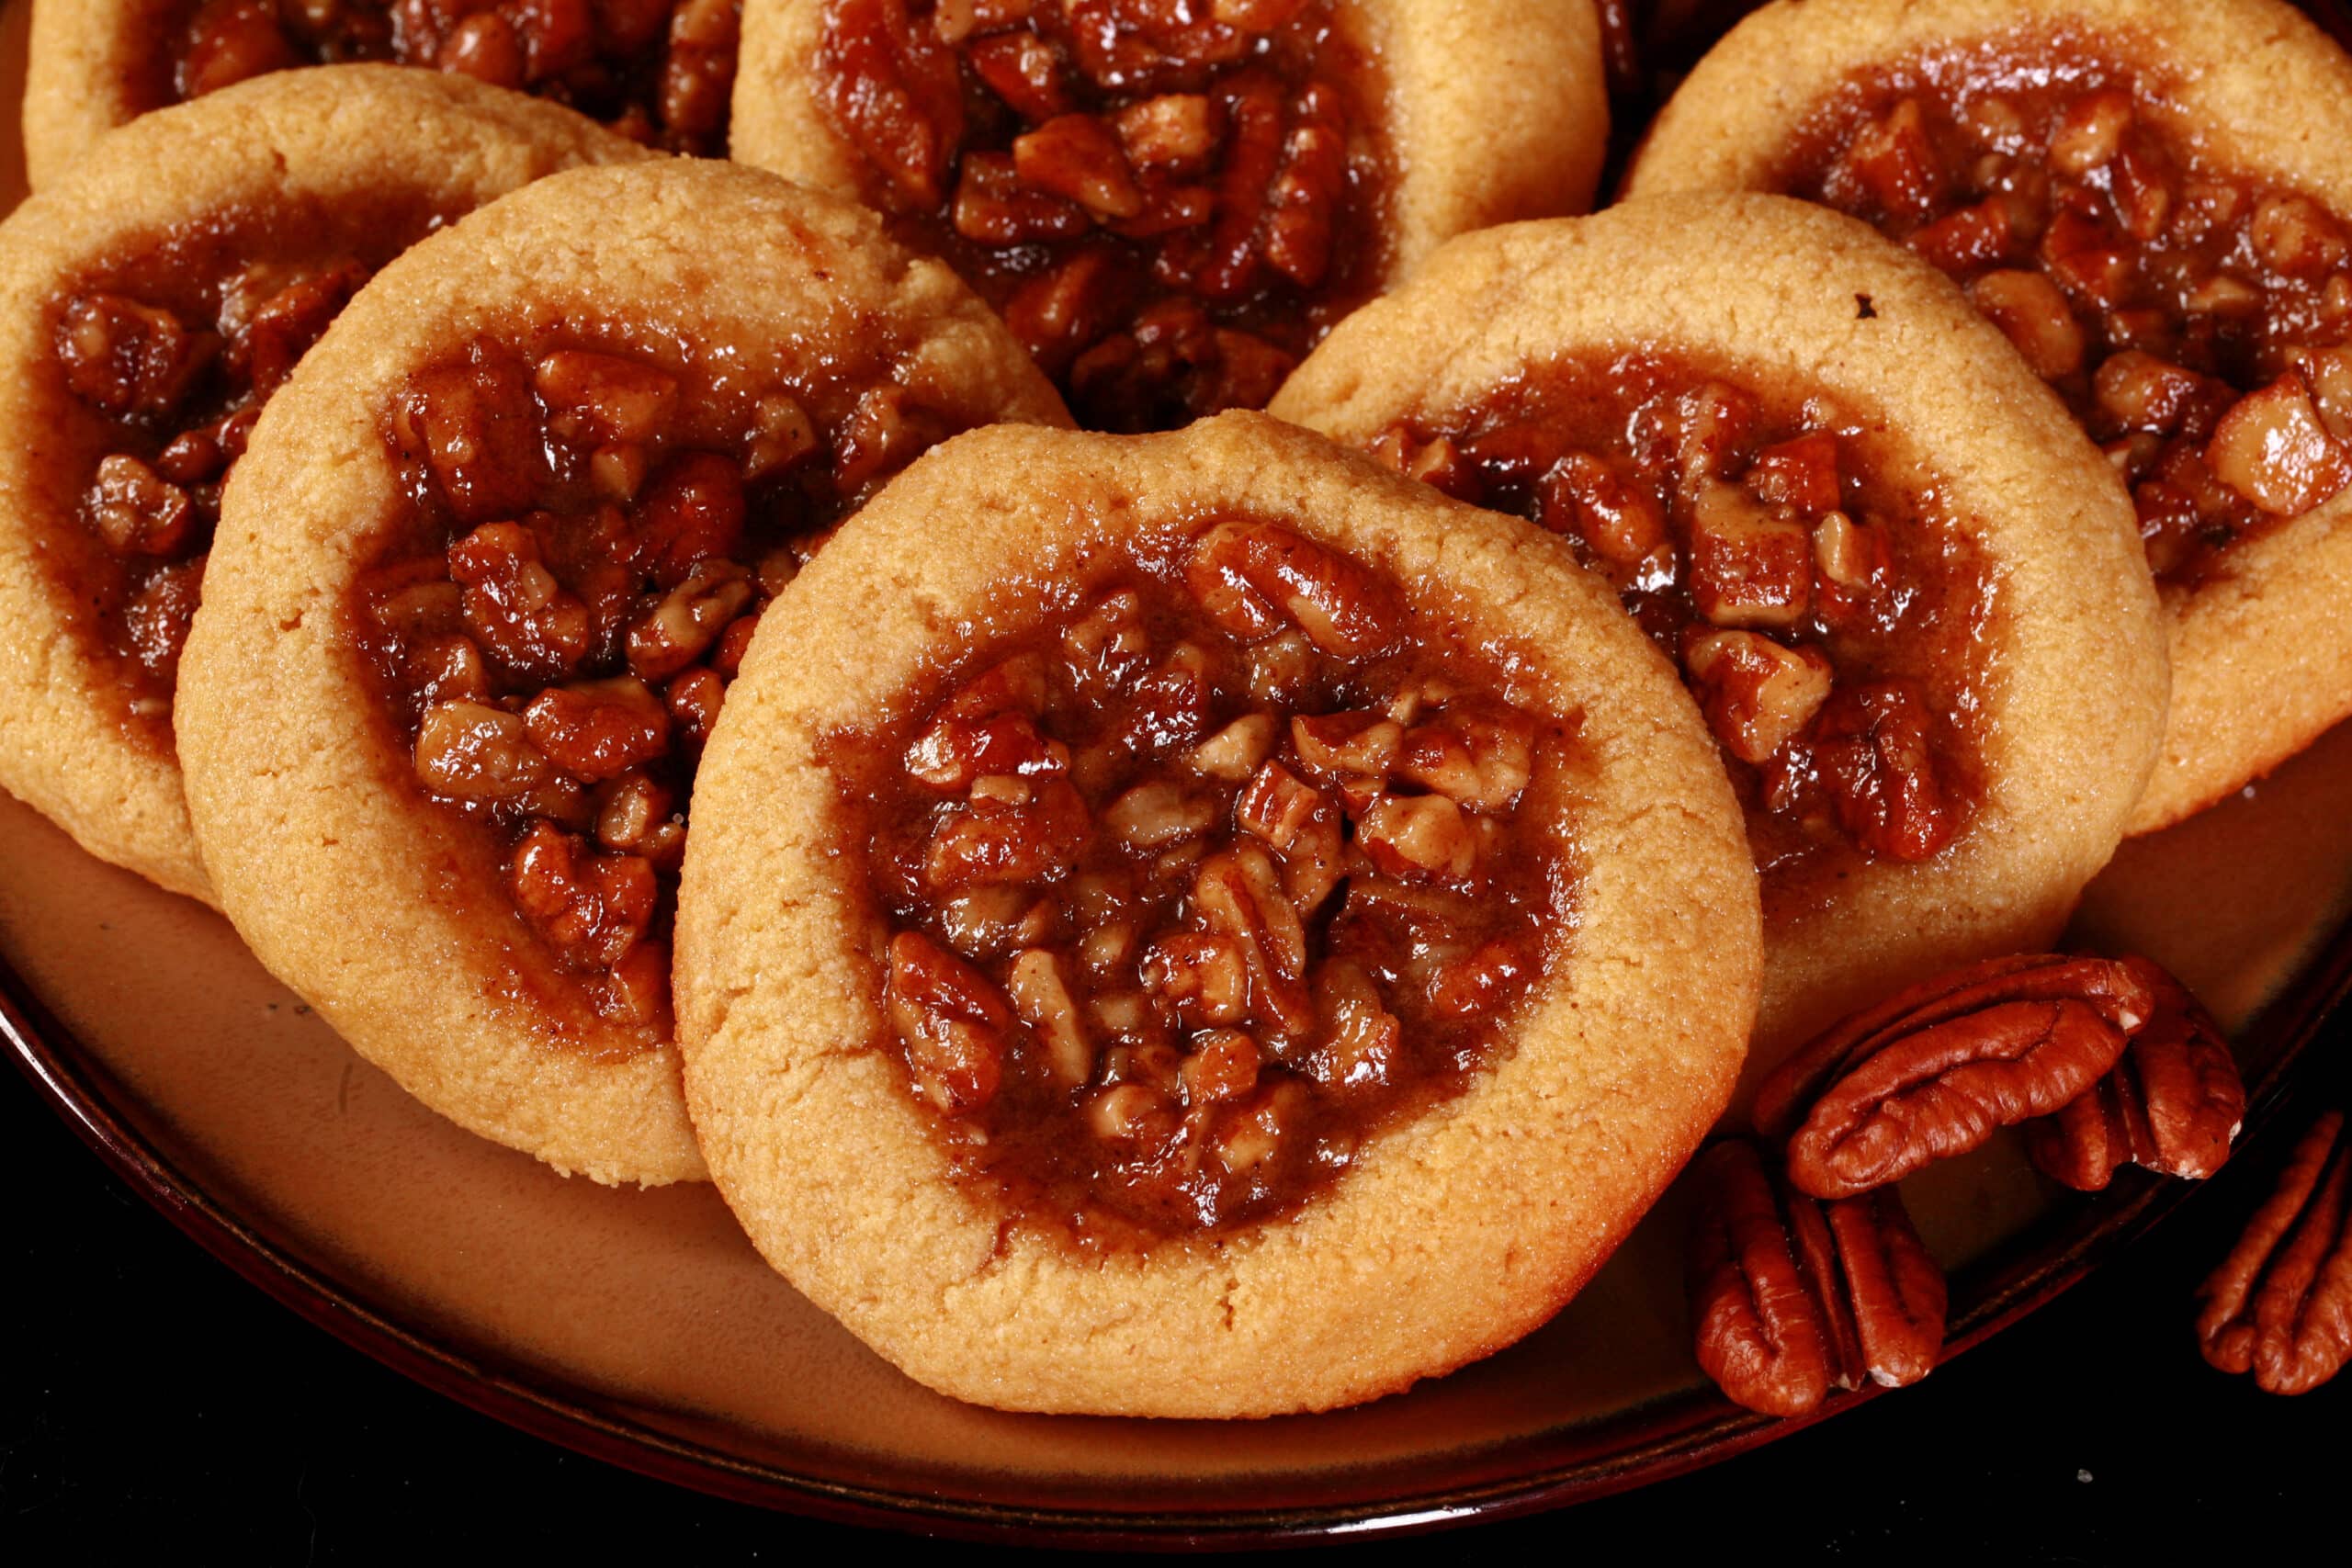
x=1230 y=931
x=1168 y=207
x=658 y=72
x=1906 y=591
x=477 y=593
x=150 y=303
x=2159 y=214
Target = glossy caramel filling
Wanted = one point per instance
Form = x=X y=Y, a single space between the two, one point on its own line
x=1195 y=886
x=594 y=528
x=2195 y=319
x=1169 y=207
x=1791 y=562
x=168 y=353
x=658 y=72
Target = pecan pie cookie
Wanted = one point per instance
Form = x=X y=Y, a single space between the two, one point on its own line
x=1232 y=933
x=1904 y=590
x=1171 y=200
x=478 y=589
x=150 y=304
x=2153 y=200
x=658 y=72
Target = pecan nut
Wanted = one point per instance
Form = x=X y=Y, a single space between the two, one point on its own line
x=2172 y=1104
x=1934 y=1070
x=2281 y=1304
x=1793 y=1298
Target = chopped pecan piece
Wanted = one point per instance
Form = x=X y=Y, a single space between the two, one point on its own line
x=123 y=357
x=1251 y=576
x=1423 y=837
x=2028 y=306
x=1240 y=895
x=593 y=907
x=138 y=511
x=2273 y=449
x=1076 y=157
x=895 y=90
x=1748 y=568
x=1873 y=747
x=602 y=397
x=1934 y=1070
x=1043 y=1000
x=1618 y=517
x=2280 y=1304
x=2173 y=1103
x=476 y=427
x=955 y=1025
x=229 y=41
x=1758 y=695
x=599 y=730
x=469 y=750
x=1478 y=753
x=1299 y=823
x=1014 y=829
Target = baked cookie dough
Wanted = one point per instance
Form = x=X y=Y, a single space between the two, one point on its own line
x=489 y=562
x=1906 y=591
x=2154 y=200
x=149 y=304
x=1170 y=207
x=658 y=72
x=1067 y=1090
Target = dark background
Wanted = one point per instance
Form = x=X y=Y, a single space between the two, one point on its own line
x=154 y=1404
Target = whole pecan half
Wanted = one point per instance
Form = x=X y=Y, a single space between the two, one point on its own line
x=2281 y=1304
x=1934 y=1070
x=1791 y=1298
x=2172 y=1104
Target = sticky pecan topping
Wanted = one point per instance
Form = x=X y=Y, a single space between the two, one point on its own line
x=1201 y=881
x=592 y=538
x=1169 y=201
x=660 y=72
x=2197 y=322
x=1818 y=613
x=2281 y=1304
x=1791 y=1298
x=172 y=355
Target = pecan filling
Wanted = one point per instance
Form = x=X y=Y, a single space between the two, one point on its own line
x=2198 y=322
x=173 y=354
x=1204 y=881
x=591 y=538
x=1169 y=202
x=660 y=72
x=1818 y=611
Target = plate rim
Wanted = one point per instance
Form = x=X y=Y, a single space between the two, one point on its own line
x=1668 y=1437
x=1655 y=1442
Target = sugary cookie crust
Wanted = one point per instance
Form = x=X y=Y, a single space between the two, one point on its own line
x=1497 y=109
x=2261 y=651
x=1455 y=1233
x=384 y=911
x=289 y=143
x=91 y=67
x=1773 y=288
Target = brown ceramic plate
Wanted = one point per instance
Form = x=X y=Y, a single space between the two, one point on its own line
x=642 y=1328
